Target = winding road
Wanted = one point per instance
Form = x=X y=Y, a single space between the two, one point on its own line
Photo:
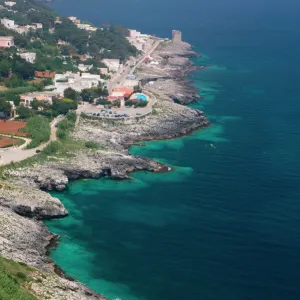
x=9 y=155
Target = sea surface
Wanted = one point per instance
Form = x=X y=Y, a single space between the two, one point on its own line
x=225 y=223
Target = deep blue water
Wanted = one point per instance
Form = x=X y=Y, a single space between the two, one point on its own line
x=225 y=224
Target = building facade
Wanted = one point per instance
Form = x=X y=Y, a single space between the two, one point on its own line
x=10 y=24
x=6 y=41
x=112 y=64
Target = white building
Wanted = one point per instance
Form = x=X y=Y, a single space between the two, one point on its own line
x=132 y=33
x=103 y=71
x=76 y=81
x=84 y=68
x=74 y=19
x=10 y=24
x=29 y=56
x=138 y=39
x=45 y=96
x=38 y=25
x=10 y=3
x=112 y=64
x=24 y=29
x=87 y=27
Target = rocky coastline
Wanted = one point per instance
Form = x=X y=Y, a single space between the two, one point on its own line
x=25 y=203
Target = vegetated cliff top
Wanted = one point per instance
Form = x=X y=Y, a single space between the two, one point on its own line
x=103 y=43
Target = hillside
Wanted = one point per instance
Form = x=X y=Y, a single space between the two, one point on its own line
x=59 y=39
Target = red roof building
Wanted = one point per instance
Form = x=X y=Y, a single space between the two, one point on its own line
x=124 y=91
x=44 y=74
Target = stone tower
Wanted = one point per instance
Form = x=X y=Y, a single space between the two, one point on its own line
x=176 y=36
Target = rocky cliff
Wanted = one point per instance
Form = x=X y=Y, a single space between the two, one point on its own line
x=24 y=202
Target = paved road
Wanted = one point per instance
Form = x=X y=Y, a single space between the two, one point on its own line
x=17 y=154
x=146 y=55
x=129 y=70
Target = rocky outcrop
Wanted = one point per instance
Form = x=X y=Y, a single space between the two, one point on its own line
x=53 y=287
x=24 y=239
x=168 y=77
x=31 y=203
x=88 y=164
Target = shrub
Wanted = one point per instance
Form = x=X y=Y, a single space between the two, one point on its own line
x=25 y=112
x=52 y=148
x=91 y=145
x=21 y=276
x=61 y=134
x=103 y=101
x=38 y=129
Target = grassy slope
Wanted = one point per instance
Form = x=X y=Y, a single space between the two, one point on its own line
x=13 y=276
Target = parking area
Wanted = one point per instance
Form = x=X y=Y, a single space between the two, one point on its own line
x=103 y=111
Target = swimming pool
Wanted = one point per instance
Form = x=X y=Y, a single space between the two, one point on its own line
x=141 y=97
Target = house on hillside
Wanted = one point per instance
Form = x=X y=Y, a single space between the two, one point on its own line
x=84 y=68
x=112 y=64
x=6 y=41
x=87 y=27
x=45 y=97
x=29 y=57
x=10 y=3
x=38 y=25
x=58 y=20
x=122 y=93
x=44 y=74
x=75 y=20
x=77 y=81
x=24 y=29
x=8 y=23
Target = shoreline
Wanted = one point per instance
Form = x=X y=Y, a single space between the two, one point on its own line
x=172 y=121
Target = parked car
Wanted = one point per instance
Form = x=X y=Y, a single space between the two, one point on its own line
x=37 y=151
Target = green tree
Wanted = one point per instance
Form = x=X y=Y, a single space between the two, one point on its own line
x=5 y=107
x=70 y=93
x=62 y=106
x=14 y=98
x=24 y=112
x=87 y=95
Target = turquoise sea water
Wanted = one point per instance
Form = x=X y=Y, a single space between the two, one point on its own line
x=225 y=223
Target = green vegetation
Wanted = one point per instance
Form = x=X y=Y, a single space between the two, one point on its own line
x=136 y=104
x=66 y=126
x=13 y=64
x=38 y=128
x=5 y=107
x=103 y=102
x=25 y=112
x=13 y=276
x=18 y=90
x=62 y=106
x=91 y=145
x=52 y=148
x=71 y=94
